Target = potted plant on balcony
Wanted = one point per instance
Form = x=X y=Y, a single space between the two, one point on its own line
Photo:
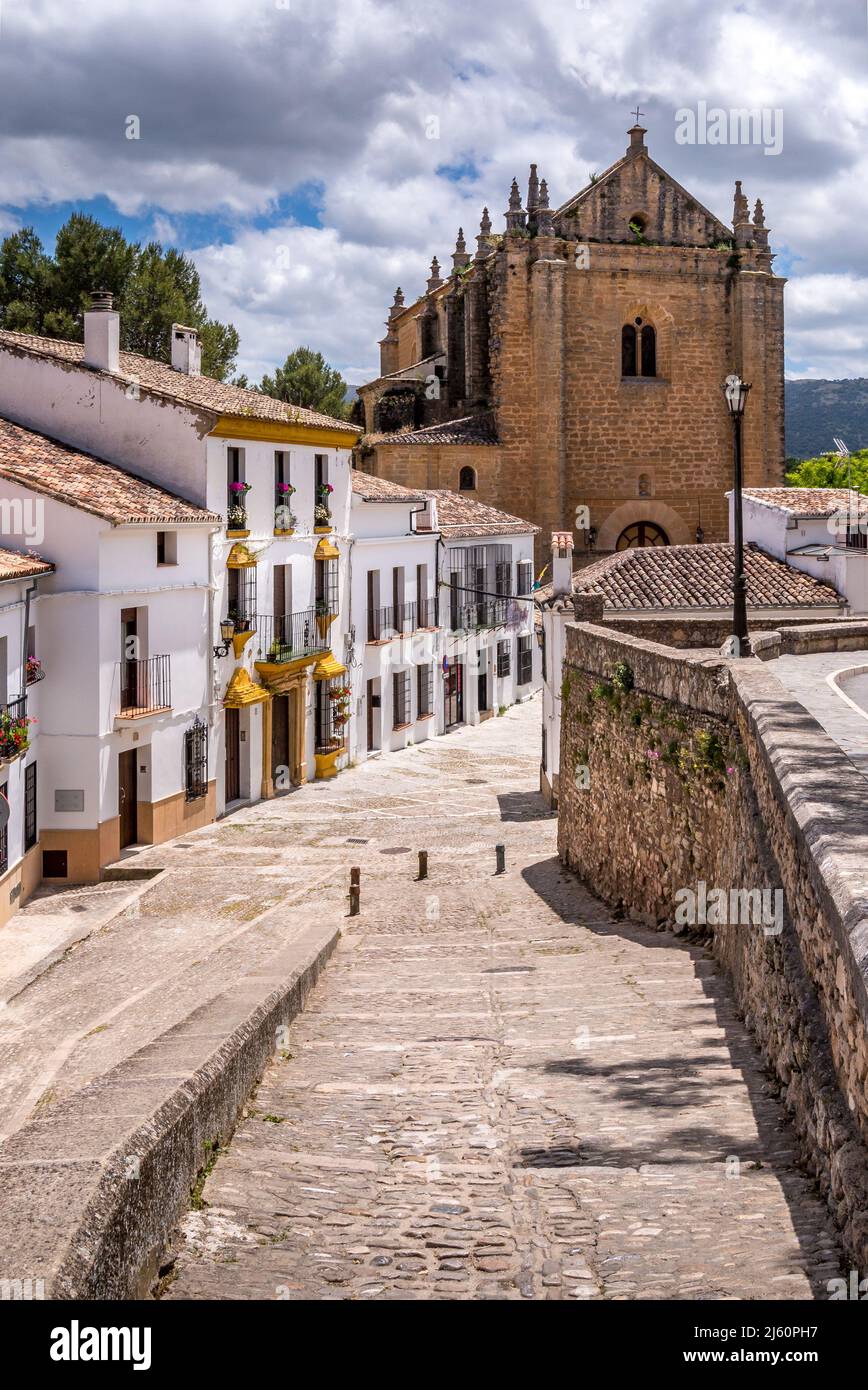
x=324 y=617
x=284 y=521
x=14 y=735
x=322 y=516
x=34 y=670
x=237 y=515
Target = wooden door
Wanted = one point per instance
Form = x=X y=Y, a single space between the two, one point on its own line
x=280 y=740
x=128 y=805
x=369 y=702
x=454 y=694
x=233 y=755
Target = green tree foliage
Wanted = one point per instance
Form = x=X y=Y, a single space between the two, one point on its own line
x=152 y=289
x=306 y=379
x=829 y=470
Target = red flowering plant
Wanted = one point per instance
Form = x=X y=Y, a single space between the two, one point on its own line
x=14 y=733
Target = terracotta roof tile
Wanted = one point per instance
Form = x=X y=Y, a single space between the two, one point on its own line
x=657 y=578
x=203 y=392
x=470 y=429
x=15 y=565
x=81 y=480
x=372 y=489
x=461 y=516
x=809 y=502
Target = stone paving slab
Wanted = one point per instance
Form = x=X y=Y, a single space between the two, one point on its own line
x=498 y=1089
x=806 y=677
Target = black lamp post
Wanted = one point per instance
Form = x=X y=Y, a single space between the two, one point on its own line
x=735 y=391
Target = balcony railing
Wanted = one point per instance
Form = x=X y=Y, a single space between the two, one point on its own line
x=289 y=637
x=145 y=686
x=426 y=612
x=394 y=621
x=488 y=612
x=14 y=737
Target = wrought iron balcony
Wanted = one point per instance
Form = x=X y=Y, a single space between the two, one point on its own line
x=395 y=621
x=426 y=612
x=291 y=637
x=145 y=686
x=484 y=613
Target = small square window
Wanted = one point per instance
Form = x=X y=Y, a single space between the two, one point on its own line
x=167 y=547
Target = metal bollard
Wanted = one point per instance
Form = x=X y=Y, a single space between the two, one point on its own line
x=500 y=851
x=355 y=889
x=423 y=863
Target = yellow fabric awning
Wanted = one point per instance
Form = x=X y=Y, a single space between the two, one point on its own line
x=328 y=666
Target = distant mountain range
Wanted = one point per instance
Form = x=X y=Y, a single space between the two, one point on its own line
x=816 y=411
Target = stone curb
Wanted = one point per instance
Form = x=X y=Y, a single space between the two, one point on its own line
x=92 y=1192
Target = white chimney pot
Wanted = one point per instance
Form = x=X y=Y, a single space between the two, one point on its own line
x=186 y=352
x=102 y=334
x=562 y=562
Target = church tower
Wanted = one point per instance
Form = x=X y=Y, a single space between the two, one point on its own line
x=576 y=362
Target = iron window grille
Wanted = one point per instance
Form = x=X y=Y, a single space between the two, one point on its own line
x=31 y=831
x=4 y=839
x=327 y=586
x=400 y=699
x=503 y=659
x=478 y=576
x=241 y=603
x=196 y=760
x=425 y=689
x=525 y=577
x=332 y=714
x=525 y=661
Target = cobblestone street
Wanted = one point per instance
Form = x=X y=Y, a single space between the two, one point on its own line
x=497 y=1089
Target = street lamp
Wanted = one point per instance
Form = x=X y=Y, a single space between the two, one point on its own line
x=227 y=632
x=735 y=391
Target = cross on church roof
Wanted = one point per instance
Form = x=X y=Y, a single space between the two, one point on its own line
x=637 y=113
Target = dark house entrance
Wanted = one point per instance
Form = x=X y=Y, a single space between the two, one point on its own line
x=233 y=756
x=280 y=766
x=453 y=694
x=128 y=805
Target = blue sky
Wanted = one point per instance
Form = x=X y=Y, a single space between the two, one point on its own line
x=312 y=154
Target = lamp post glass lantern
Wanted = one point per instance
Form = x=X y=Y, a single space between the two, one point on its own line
x=735 y=391
x=227 y=632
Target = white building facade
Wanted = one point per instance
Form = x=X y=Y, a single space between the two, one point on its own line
x=820 y=531
x=21 y=578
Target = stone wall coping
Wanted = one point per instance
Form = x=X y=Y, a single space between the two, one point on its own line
x=822 y=794
x=92 y=1191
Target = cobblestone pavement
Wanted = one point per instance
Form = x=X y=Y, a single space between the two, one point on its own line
x=497 y=1089
x=806 y=676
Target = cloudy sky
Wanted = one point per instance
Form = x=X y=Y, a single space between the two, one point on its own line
x=313 y=154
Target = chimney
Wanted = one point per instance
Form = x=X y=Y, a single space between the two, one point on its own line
x=186 y=352
x=562 y=562
x=102 y=333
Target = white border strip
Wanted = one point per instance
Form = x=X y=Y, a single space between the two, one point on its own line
x=832 y=680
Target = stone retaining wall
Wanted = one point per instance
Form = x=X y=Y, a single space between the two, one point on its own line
x=708 y=771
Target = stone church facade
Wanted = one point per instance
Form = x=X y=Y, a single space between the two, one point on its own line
x=576 y=360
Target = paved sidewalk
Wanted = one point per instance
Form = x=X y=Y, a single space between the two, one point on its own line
x=497 y=1089
x=806 y=676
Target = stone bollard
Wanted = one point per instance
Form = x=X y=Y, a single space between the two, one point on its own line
x=423 y=863
x=355 y=889
x=500 y=851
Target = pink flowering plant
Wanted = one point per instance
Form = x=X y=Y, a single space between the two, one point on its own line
x=14 y=733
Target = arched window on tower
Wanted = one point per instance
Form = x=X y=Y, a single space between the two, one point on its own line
x=628 y=350
x=649 y=350
x=467 y=480
x=638 y=349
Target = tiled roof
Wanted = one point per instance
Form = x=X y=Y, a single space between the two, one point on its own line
x=15 y=565
x=372 y=489
x=809 y=503
x=81 y=480
x=698 y=576
x=460 y=516
x=203 y=392
x=470 y=429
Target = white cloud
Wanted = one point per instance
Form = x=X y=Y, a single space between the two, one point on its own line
x=242 y=101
